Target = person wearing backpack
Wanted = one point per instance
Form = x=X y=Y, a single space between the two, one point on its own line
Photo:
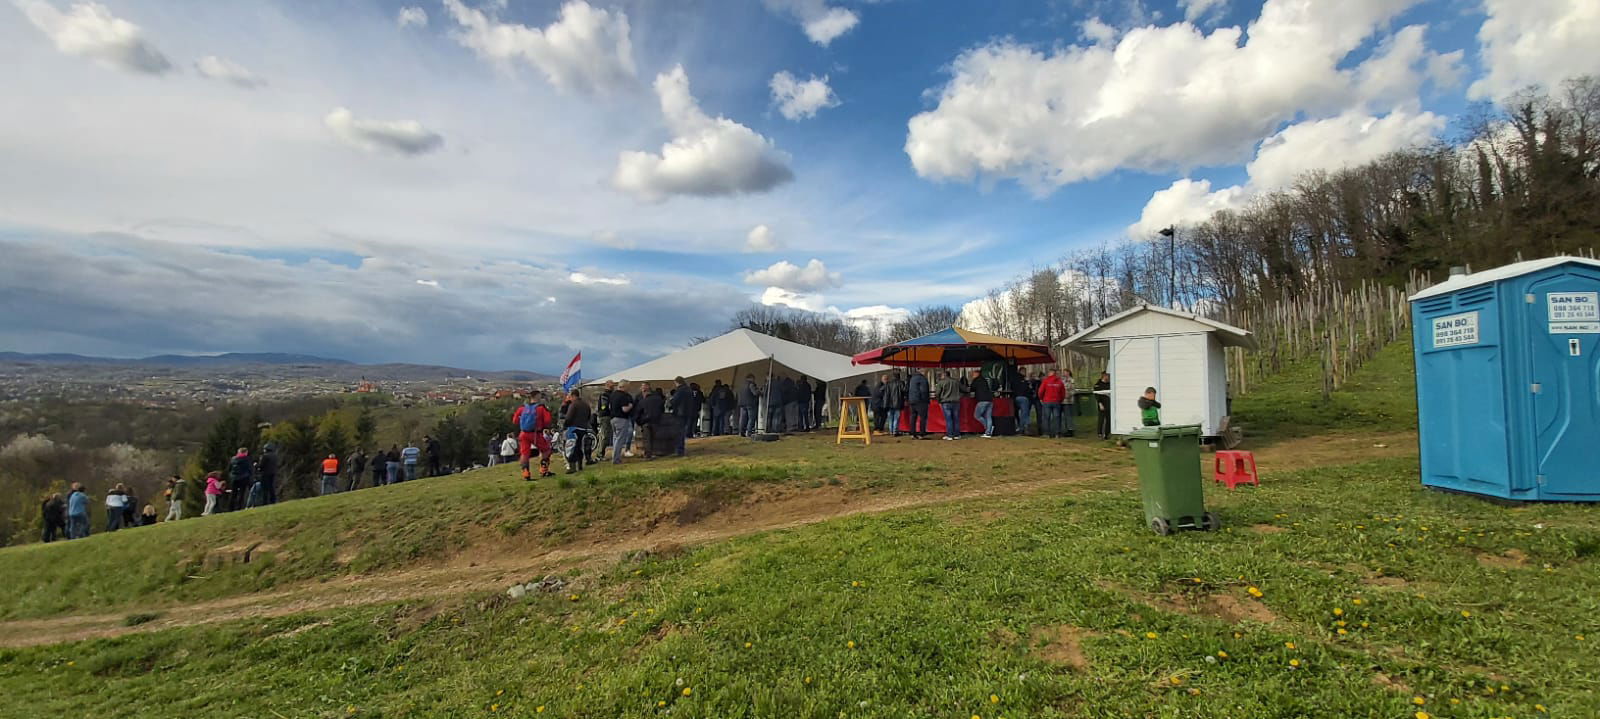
x=532 y=419
x=177 y=490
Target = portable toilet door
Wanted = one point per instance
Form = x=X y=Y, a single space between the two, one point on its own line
x=1562 y=339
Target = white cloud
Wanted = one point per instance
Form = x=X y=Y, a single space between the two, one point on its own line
x=412 y=17
x=589 y=278
x=607 y=238
x=1525 y=43
x=1161 y=98
x=1097 y=32
x=1335 y=143
x=706 y=156
x=223 y=70
x=587 y=50
x=873 y=317
x=761 y=239
x=428 y=283
x=785 y=275
x=822 y=22
x=798 y=99
x=90 y=30
x=779 y=297
x=406 y=137
x=1196 y=10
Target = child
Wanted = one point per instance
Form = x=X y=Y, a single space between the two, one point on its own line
x=1149 y=408
x=213 y=491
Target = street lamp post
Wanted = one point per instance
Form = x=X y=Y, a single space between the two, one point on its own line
x=1171 y=233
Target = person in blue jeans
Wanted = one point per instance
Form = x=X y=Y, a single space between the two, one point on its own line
x=391 y=465
x=409 y=457
x=948 y=393
x=1022 y=397
x=77 y=513
x=983 y=394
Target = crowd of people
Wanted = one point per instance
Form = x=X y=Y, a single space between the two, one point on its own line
x=652 y=422
x=897 y=401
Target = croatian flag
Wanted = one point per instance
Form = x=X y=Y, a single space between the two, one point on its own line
x=573 y=376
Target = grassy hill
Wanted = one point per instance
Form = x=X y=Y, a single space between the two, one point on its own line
x=1003 y=578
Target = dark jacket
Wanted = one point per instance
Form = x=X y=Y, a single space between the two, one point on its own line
x=356 y=463
x=602 y=405
x=875 y=400
x=432 y=448
x=790 y=391
x=681 y=403
x=1103 y=401
x=722 y=398
x=862 y=390
x=55 y=511
x=750 y=396
x=651 y=409
x=622 y=403
x=578 y=415
x=803 y=390
x=917 y=390
x=268 y=464
x=239 y=469
x=1149 y=412
x=894 y=395
x=698 y=403
x=1029 y=388
x=981 y=391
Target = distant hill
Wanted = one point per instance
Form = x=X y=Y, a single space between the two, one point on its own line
x=279 y=362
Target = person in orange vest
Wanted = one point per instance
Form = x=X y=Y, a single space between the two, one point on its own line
x=330 y=475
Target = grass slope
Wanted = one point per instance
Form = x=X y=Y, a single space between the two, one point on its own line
x=1381 y=396
x=1054 y=606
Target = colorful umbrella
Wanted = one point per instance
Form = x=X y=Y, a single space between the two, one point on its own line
x=955 y=347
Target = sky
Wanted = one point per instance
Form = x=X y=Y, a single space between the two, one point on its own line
x=499 y=184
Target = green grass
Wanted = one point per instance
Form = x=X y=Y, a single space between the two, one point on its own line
x=945 y=608
x=433 y=519
x=1381 y=396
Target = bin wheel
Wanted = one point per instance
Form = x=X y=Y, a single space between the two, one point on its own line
x=1209 y=522
x=1161 y=526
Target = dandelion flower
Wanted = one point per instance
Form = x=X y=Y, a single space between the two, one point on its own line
x=1578 y=637
x=993 y=699
x=1339 y=623
x=661 y=703
x=1357 y=601
x=539 y=709
x=850 y=644
x=808 y=680
x=1294 y=663
x=494 y=707
x=1419 y=701
x=747 y=645
x=573 y=598
x=1176 y=681
x=1465 y=613
x=1151 y=635
x=1254 y=592
x=855 y=584
x=1423 y=715
x=499 y=692
x=1288 y=645
x=1222 y=655
x=72 y=664
x=1364 y=625
x=1539 y=708
x=688 y=690
x=1343 y=632
x=1338 y=612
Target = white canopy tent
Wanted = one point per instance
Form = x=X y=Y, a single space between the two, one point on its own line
x=743 y=352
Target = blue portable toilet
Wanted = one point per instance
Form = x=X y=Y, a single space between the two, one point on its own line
x=1508 y=380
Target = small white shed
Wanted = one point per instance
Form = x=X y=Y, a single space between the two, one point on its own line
x=1178 y=353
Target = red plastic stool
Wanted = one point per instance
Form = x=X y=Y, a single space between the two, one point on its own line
x=1231 y=469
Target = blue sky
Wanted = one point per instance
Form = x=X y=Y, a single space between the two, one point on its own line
x=499 y=184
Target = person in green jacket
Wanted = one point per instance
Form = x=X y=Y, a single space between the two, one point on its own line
x=1149 y=408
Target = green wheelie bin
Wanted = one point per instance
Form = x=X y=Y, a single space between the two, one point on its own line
x=1169 y=477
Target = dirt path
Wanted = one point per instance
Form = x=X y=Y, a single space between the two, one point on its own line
x=474 y=571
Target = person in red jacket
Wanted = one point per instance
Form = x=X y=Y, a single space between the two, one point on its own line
x=532 y=419
x=1052 y=391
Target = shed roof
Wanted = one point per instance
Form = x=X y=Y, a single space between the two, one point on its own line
x=1092 y=340
x=1503 y=272
x=743 y=346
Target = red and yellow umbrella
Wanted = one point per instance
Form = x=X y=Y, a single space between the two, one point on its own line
x=956 y=347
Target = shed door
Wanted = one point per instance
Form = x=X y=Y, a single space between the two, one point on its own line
x=1564 y=335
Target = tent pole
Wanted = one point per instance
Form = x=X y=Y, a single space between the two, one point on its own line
x=766 y=397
